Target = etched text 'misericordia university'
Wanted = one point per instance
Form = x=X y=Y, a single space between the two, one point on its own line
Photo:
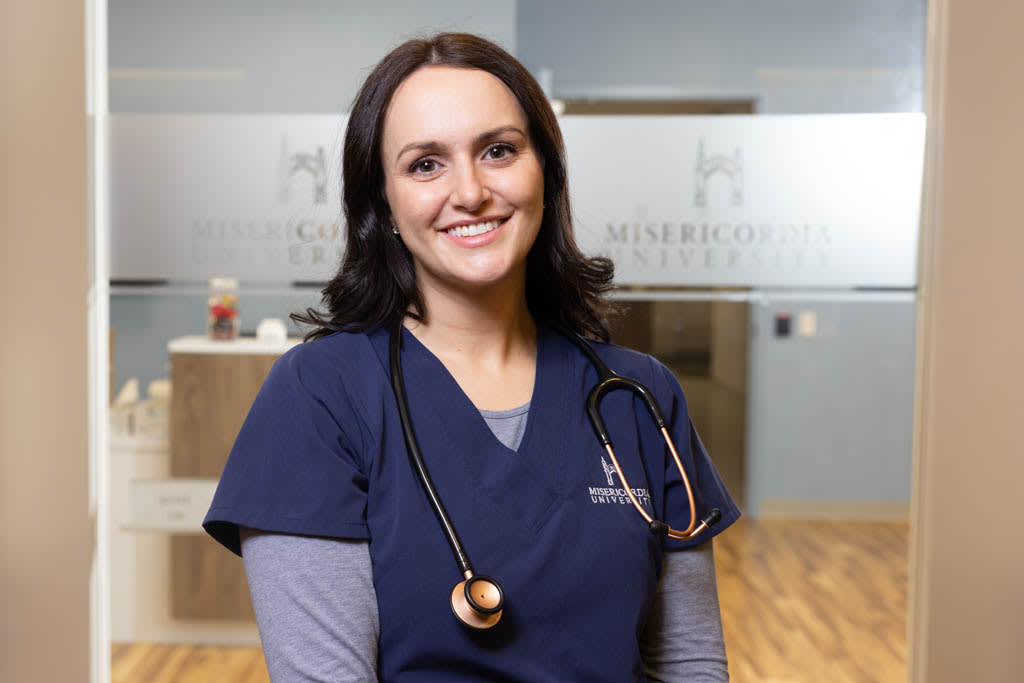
x=716 y=244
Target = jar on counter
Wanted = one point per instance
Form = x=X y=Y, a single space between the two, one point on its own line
x=223 y=321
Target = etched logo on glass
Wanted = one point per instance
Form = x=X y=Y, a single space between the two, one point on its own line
x=708 y=166
x=298 y=163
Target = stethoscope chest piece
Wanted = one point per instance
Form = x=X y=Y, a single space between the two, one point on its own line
x=478 y=602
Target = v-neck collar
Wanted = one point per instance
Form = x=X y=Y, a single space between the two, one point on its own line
x=459 y=428
x=457 y=403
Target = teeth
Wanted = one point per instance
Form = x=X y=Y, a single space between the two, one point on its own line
x=476 y=229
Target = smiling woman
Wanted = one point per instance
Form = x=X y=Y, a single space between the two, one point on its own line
x=453 y=340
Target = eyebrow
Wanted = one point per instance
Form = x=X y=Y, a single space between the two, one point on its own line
x=433 y=146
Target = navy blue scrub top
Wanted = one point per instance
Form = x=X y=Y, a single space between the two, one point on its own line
x=321 y=453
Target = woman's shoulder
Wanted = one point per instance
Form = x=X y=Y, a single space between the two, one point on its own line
x=343 y=352
x=341 y=366
x=629 y=362
x=643 y=367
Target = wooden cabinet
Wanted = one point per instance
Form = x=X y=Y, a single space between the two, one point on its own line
x=214 y=384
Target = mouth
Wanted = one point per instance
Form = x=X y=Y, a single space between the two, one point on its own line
x=473 y=229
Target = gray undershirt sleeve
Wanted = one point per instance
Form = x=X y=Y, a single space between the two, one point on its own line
x=315 y=606
x=683 y=637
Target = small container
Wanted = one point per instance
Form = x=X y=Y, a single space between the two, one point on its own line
x=272 y=330
x=223 y=321
x=153 y=415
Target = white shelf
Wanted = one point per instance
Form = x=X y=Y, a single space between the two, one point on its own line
x=242 y=345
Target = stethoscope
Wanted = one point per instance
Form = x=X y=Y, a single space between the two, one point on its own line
x=477 y=601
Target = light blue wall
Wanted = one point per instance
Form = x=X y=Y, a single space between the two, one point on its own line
x=793 y=56
x=830 y=416
x=262 y=56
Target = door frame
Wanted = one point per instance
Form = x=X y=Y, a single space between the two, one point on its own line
x=99 y=361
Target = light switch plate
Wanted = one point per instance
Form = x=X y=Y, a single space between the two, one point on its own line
x=807 y=324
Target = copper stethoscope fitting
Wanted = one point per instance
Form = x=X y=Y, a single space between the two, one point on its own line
x=478 y=601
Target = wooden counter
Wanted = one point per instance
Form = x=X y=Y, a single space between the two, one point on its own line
x=214 y=384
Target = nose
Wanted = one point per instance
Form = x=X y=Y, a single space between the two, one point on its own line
x=470 y=191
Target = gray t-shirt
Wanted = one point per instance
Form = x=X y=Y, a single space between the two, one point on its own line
x=317 y=609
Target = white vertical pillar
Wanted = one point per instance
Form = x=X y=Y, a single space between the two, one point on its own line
x=97 y=99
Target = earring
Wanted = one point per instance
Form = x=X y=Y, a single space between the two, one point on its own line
x=394 y=229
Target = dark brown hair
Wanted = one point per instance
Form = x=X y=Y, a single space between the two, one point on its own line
x=376 y=283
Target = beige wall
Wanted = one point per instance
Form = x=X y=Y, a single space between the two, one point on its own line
x=46 y=542
x=967 y=609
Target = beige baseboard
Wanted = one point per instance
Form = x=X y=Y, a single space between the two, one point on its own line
x=866 y=510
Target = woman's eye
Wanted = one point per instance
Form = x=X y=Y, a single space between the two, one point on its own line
x=502 y=151
x=424 y=166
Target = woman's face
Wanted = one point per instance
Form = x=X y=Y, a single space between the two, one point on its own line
x=464 y=184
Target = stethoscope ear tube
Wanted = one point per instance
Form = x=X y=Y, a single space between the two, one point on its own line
x=611 y=384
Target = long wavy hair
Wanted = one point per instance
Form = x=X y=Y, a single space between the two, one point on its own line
x=376 y=282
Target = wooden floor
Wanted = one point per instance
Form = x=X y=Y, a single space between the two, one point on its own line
x=152 y=663
x=821 y=602
x=802 y=602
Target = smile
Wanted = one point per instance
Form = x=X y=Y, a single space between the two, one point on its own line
x=474 y=229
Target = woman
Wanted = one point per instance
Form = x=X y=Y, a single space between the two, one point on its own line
x=460 y=247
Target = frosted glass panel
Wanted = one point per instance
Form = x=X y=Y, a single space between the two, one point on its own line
x=780 y=201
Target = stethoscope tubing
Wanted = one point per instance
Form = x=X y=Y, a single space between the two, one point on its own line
x=416 y=457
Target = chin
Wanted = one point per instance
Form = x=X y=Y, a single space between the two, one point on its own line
x=486 y=274
x=483 y=282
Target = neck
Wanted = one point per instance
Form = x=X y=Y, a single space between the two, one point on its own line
x=492 y=326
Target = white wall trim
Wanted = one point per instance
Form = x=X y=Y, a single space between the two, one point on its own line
x=937 y=42
x=98 y=306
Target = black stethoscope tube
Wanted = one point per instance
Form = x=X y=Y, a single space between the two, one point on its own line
x=398 y=384
x=607 y=380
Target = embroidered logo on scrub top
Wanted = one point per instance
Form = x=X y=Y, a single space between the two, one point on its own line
x=611 y=494
x=609 y=471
